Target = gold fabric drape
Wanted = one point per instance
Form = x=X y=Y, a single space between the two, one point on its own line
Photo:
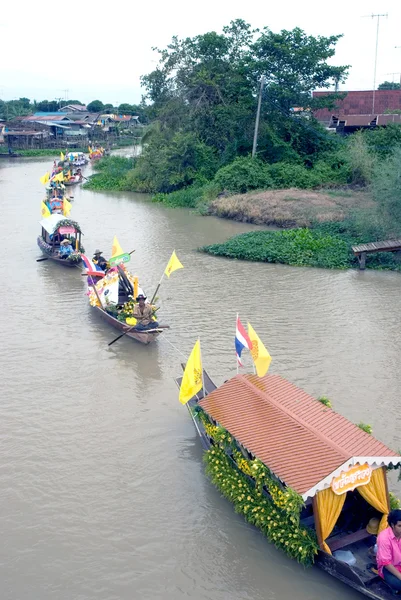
x=375 y=493
x=329 y=507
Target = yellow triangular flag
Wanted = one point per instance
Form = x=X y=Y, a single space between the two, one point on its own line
x=45 y=178
x=90 y=150
x=192 y=380
x=116 y=249
x=59 y=177
x=62 y=157
x=45 y=210
x=260 y=355
x=173 y=265
x=66 y=207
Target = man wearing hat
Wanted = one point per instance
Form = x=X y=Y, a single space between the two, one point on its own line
x=66 y=249
x=99 y=260
x=144 y=314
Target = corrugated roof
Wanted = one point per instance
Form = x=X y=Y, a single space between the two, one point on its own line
x=300 y=439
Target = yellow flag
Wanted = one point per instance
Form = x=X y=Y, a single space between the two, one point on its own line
x=173 y=265
x=62 y=157
x=192 y=379
x=66 y=207
x=260 y=355
x=45 y=178
x=89 y=150
x=45 y=210
x=59 y=177
x=116 y=249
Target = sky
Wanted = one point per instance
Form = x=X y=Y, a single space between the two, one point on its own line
x=87 y=52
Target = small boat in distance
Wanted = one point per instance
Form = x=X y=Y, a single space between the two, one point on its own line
x=313 y=482
x=57 y=230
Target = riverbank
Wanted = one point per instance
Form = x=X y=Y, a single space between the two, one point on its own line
x=291 y=207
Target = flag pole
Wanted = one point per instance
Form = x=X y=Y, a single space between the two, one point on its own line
x=203 y=379
x=236 y=357
x=157 y=289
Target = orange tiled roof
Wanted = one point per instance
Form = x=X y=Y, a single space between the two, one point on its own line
x=300 y=439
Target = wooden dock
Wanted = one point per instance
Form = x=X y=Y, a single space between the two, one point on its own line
x=363 y=249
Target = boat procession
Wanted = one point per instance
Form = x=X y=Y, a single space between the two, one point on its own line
x=113 y=292
x=313 y=483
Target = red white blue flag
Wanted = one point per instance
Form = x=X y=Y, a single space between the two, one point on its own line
x=242 y=340
x=91 y=267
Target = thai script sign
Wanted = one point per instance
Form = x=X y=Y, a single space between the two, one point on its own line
x=351 y=479
x=121 y=258
x=67 y=229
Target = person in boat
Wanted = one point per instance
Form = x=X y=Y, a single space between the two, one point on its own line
x=66 y=248
x=388 y=555
x=99 y=260
x=143 y=313
x=56 y=205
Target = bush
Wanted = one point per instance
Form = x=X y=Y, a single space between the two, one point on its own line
x=193 y=196
x=360 y=160
x=242 y=175
x=111 y=175
x=387 y=190
x=297 y=247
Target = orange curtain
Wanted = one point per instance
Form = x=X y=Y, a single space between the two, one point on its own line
x=329 y=507
x=375 y=493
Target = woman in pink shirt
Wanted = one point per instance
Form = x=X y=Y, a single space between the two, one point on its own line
x=389 y=551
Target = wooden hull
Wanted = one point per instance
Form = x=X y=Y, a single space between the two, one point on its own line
x=63 y=261
x=360 y=579
x=145 y=337
x=69 y=183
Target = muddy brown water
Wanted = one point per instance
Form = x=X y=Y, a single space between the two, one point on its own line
x=102 y=489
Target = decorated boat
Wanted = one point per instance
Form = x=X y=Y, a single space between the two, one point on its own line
x=60 y=240
x=313 y=482
x=112 y=296
x=96 y=153
x=73 y=179
x=77 y=159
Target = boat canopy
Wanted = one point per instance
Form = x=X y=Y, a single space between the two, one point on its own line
x=54 y=221
x=307 y=445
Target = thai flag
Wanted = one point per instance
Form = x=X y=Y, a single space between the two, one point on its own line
x=90 y=266
x=242 y=340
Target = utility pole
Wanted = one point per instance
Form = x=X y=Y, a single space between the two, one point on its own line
x=398 y=47
x=378 y=17
x=255 y=135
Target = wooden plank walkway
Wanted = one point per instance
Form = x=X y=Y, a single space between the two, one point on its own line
x=384 y=246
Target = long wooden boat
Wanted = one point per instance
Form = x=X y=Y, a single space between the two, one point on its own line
x=74 y=180
x=302 y=453
x=145 y=337
x=109 y=293
x=55 y=229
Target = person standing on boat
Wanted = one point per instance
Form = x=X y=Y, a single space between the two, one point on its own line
x=99 y=260
x=389 y=551
x=143 y=313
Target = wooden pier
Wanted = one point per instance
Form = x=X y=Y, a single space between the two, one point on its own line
x=363 y=249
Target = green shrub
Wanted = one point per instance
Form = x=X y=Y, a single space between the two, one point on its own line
x=298 y=247
x=360 y=160
x=194 y=196
x=111 y=174
x=242 y=175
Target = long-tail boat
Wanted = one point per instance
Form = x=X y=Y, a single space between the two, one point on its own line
x=55 y=229
x=112 y=296
x=308 y=478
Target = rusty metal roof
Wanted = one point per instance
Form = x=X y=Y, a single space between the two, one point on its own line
x=301 y=440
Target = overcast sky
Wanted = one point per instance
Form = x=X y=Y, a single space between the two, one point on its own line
x=99 y=52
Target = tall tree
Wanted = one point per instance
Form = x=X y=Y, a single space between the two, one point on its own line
x=95 y=106
x=389 y=85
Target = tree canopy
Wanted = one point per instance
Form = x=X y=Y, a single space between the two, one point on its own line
x=204 y=91
x=389 y=85
x=95 y=106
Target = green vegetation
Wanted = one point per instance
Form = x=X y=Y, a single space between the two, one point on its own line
x=111 y=173
x=53 y=152
x=326 y=245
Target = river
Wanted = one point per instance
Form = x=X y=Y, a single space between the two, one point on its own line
x=102 y=490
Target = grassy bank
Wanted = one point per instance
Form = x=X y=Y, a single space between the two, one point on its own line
x=111 y=174
x=53 y=152
x=327 y=246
